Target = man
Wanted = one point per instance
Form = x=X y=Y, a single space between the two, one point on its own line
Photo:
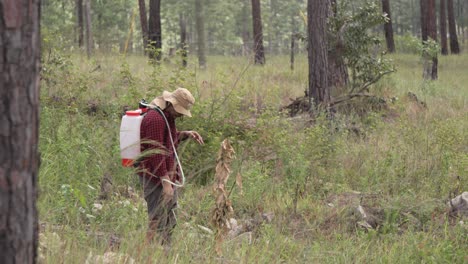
x=158 y=169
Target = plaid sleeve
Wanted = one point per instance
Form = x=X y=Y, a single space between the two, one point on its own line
x=152 y=133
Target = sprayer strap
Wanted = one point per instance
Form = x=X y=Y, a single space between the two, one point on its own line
x=157 y=109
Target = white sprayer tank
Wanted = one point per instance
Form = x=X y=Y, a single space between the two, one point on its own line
x=130 y=137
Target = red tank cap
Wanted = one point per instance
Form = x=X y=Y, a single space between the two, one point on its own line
x=133 y=113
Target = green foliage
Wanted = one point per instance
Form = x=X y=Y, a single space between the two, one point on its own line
x=407 y=44
x=351 y=30
x=430 y=48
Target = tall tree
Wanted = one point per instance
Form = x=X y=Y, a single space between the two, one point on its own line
x=454 y=47
x=414 y=18
x=154 y=30
x=245 y=27
x=144 y=23
x=200 y=23
x=89 y=34
x=274 y=34
x=317 y=16
x=183 y=39
x=293 y=42
x=429 y=32
x=337 y=71
x=80 y=24
x=19 y=105
x=462 y=16
x=443 y=28
x=423 y=7
x=388 y=27
x=258 y=33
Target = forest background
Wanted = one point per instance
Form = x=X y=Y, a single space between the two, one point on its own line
x=370 y=182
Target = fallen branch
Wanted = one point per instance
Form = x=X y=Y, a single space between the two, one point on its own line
x=349 y=97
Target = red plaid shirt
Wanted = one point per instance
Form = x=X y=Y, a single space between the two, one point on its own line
x=155 y=137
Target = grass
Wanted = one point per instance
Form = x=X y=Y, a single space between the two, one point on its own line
x=404 y=160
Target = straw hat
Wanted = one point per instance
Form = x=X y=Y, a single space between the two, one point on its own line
x=181 y=99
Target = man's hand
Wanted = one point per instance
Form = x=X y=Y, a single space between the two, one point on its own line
x=194 y=135
x=168 y=190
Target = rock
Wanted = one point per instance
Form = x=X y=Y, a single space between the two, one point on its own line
x=372 y=216
x=268 y=217
x=96 y=207
x=206 y=229
x=459 y=205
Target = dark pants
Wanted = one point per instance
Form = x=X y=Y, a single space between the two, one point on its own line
x=161 y=215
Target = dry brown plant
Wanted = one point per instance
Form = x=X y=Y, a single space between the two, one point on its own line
x=223 y=208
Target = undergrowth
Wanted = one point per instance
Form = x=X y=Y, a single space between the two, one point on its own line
x=408 y=156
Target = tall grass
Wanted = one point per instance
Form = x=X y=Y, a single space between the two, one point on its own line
x=408 y=156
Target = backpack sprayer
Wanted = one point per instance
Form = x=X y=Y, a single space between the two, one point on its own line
x=130 y=137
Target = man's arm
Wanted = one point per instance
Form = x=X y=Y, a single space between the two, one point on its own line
x=183 y=135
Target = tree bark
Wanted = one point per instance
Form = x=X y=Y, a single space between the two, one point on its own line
x=454 y=46
x=388 y=27
x=293 y=42
x=183 y=39
x=319 y=92
x=462 y=24
x=414 y=19
x=337 y=72
x=200 y=24
x=423 y=7
x=89 y=34
x=429 y=31
x=258 y=33
x=80 y=23
x=432 y=32
x=443 y=28
x=273 y=37
x=144 y=24
x=154 y=30
x=19 y=129
x=245 y=26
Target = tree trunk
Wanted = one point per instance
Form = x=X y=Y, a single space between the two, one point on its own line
x=208 y=37
x=443 y=28
x=454 y=47
x=200 y=24
x=414 y=19
x=80 y=25
x=429 y=31
x=19 y=129
x=183 y=39
x=258 y=33
x=273 y=36
x=337 y=72
x=154 y=30
x=293 y=41
x=432 y=32
x=245 y=27
x=423 y=7
x=144 y=24
x=317 y=11
x=388 y=27
x=462 y=24
x=89 y=35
